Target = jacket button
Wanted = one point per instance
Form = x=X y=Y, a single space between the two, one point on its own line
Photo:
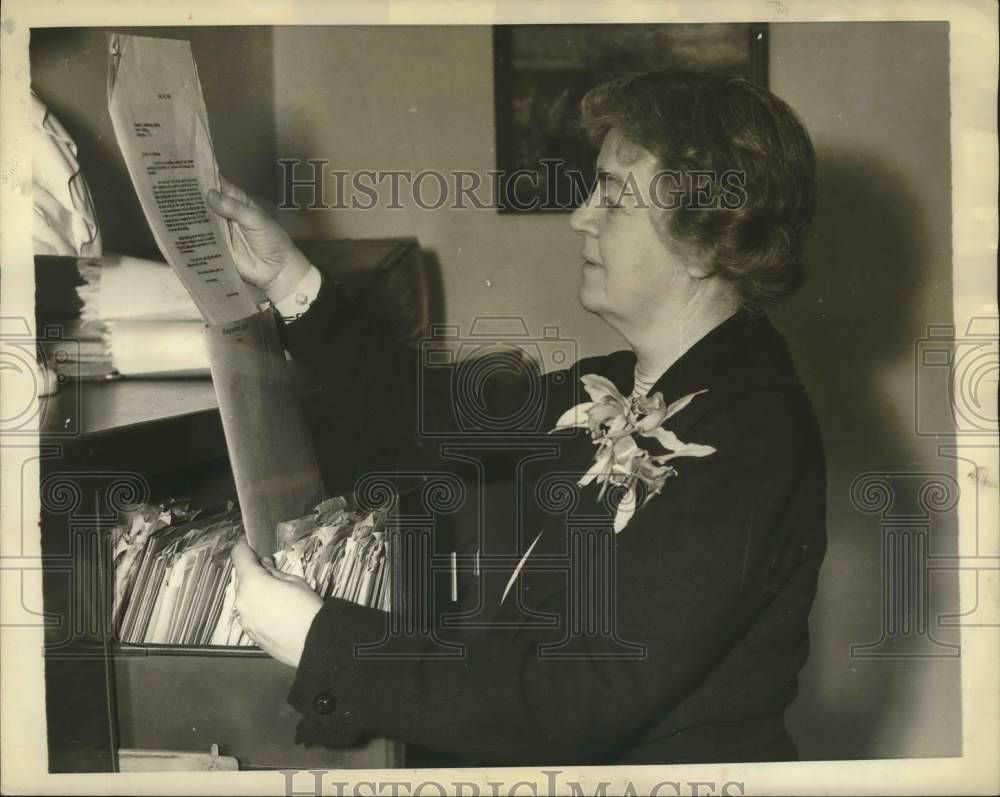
x=324 y=703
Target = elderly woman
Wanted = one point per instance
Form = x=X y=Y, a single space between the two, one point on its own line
x=694 y=460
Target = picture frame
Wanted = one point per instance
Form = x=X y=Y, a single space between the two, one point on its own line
x=541 y=72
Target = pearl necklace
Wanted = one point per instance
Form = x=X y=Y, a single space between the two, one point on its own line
x=643 y=384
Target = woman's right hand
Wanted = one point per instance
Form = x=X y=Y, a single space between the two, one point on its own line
x=270 y=260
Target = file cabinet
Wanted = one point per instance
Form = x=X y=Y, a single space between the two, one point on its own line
x=108 y=445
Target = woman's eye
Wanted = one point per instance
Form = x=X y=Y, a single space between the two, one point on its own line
x=608 y=202
x=608 y=197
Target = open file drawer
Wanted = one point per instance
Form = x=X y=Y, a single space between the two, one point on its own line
x=108 y=444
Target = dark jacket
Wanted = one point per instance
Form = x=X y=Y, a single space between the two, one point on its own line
x=698 y=611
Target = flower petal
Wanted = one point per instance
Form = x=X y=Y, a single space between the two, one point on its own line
x=688 y=450
x=617 y=427
x=651 y=403
x=654 y=412
x=665 y=438
x=625 y=448
x=602 y=412
x=598 y=387
x=575 y=416
x=601 y=466
x=681 y=403
x=650 y=472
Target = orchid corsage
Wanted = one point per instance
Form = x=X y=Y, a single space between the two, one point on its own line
x=616 y=425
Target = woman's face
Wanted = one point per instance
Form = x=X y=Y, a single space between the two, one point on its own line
x=630 y=277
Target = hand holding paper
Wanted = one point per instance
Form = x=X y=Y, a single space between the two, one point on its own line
x=264 y=253
x=275 y=609
x=160 y=121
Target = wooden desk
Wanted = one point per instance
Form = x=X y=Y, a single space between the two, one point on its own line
x=91 y=408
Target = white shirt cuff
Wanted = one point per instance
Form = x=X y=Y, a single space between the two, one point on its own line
x=297 y=303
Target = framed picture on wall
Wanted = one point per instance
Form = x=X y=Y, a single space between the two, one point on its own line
x=541 y=73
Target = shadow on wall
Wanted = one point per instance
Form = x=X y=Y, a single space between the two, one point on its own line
x=437 y=309
x=875 y=283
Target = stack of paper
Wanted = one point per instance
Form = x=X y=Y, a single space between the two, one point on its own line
x=175 y=585
x=116 y=287
x=339 y=553
x=79 y=351
x=151 y=325
x=181 y=573
x=129 y=540
x=130 y=317
x=157 y=348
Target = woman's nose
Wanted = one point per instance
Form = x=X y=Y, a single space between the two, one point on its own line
x=584 y=219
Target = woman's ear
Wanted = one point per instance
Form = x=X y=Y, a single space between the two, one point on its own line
x=699 y=271
x=697 y=266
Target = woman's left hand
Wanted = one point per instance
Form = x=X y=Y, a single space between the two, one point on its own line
x=275 y=609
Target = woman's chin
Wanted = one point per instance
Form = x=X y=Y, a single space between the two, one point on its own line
x=590 y=299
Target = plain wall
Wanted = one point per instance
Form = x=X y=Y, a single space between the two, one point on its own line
x=875 y=98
